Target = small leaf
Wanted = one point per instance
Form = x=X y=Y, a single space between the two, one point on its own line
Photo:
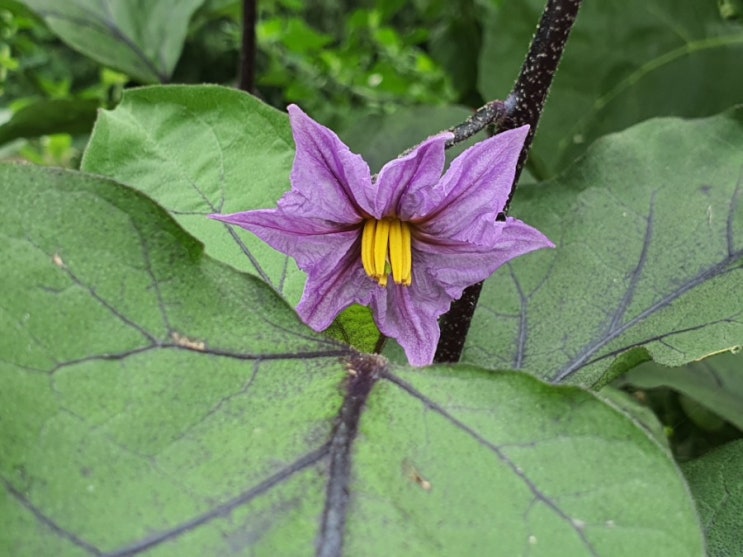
x=141 y=39
x=717 y=485
x=649 y=258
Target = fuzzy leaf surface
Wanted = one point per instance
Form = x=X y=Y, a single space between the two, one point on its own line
x=199 y=150
x=154 y=401
x=648 y=264
x=716 y=481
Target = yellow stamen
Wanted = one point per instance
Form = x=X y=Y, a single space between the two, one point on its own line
x=381 y=238
x=400 y=252
x=367 y=247
x=407 y=253
x=386 y=248
x=396 y=250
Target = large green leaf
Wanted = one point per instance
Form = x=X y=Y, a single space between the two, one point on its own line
x=716 y=480
x=138 y=37
x=716 y=382
x=649 y=234
x=155 y=401
x=626 y=61
x=199 y=150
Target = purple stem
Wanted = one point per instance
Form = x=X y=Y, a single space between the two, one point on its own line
x=523 y=106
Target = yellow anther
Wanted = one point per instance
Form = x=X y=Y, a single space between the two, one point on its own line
x=386 y=248
x=381 y=239
x=367 y=247
x=407 y=253
x=400 y=252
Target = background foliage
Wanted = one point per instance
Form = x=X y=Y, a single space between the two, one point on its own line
x=154 y=375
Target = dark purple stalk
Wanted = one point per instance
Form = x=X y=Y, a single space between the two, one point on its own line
x=247 y=52
x=523 y=106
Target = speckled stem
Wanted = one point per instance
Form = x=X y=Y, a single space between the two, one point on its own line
x=491 y=114
x=525 y=103
x=523 y=106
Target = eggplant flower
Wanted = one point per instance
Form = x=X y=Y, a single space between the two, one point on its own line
x=406 y=242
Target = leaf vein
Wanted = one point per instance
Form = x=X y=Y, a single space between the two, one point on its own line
x=536 y=492
x=48 y=522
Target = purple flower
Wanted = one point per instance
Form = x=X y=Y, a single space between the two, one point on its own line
x=406 y=242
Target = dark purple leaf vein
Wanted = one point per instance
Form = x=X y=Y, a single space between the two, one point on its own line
x=48 y=522
x=617 y=327
x=364 y=371
x=224 y=509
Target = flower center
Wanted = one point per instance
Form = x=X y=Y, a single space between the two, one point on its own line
x=386 y=248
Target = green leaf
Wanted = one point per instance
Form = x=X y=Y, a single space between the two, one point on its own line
x=716 y=382
x=144 y=385
x=717 y=485
x=649 y=234
x=199 y=150
x=451 y=462
x=73 y=116
x=299 y=37
x=142 y=39
x=626 y=61
x=155 y=400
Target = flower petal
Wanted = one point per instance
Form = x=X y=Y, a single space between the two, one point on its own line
x=328 y=180
x=332 y=288
x=409 y=314
x=312 y=243
x=455 y=265
x=406 y=178
x=475 y=188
